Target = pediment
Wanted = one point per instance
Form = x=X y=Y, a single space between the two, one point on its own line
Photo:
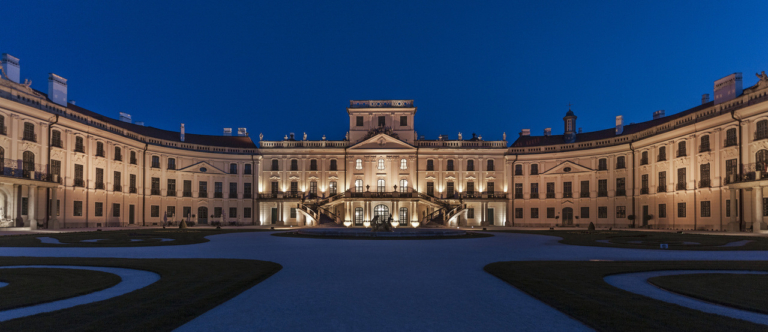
x=202 y=167
x=567 y=167
x=382 y=141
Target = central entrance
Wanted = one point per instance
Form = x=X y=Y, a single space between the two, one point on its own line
x=202 y=215
x=567 y=216
x=381 y=211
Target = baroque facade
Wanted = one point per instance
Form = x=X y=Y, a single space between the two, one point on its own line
x=64 y=166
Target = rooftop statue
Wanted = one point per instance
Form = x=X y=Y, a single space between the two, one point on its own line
x=261 y=136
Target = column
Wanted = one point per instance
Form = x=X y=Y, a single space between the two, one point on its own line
x=758 y=209
x=32 y=208
x=54 y=221
x=17 y=205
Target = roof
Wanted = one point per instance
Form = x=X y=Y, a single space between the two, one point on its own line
x=526 y=141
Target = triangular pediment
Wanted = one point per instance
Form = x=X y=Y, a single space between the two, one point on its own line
x=382 y=141
x=567 y=167
x=202 y=167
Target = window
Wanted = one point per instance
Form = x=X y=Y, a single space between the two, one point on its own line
x=382 y=121
x=133 y=158
x=293 y=213
x=380 y=164
x=118 y=154
x=620 y=188
x=313 y=188
x=233 y=212
x=662 y=182
x=430 y=165
x=681 y=149
x=584 y=212
x=2 y=125
x=132 y=183
x=247 y=190
x=99 y=149
x=567 y=189
x=116 y=181
x=274 y=187
x=218 y=187
x=602 y=212
x=662 y=210
x=489 y=188
x=403 y=121
x=730 y=169
x=681 y=210
x=535 y=213
x=99 y=178
x=155 y=162
x=602 y=164
x=621 y=162
x=232 y=168
x=470 y=165
x=359 y=164
x=358 y=216
x=77 y=209
x=403 y=214
x=170 y=211
x=728 y=207
x=681 y=180
x=470 y=188
x=705 y=209
x=518 y=169
x=761 y=133
x=403 y=186
x=186 y=212
x=761 y=161
x=644 y=184
x=171 y=163
x=730 y=137
x=550 y=190
x=381 y=186
x=449 y=165
x=55 y=138
x=489 y=166
x=247 y=169
x=275 y=166
x=471 y=213
x=519 y=213
x=202 y=188
x=333 y=166
x=313 y=165
x=333 y=188
x=217 y=212
x=403 y=164
x=449 y=189
x=247 y=213
x=55 y=166
x=584 y=189
x=187 y=188
x=534 y=169
x=154 y=211
x=621 y=212
x=79 y=176
x=98 y=210
x=24 y=206
x=644 y=158
x=704 y=175
x=358 y=185
x=155 y=186
x=233 y=190
x=294 y=165
x=550 y=213
x=535 y=190
x=704 y=146
x=79 y=145
x=171 y=187
x=765 y=205
x=431 y=188
x=359 y=121
x=662 y=154
x=29 y=132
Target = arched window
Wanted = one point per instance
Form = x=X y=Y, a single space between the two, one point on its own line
x=358 y=216
x=621 y=162
x=2 y=125
x=644 y=158
x=403 y=216
x=133 y=158
x=29 y=132
x=381 y=164
x=358 y=186
x=79 y=145
x=762 y=129
x=56 y=138
x=489 y=167
x=118 y=153
x=359 y=164
x=99 y=149
x=333 y=188
x=730 y=137
x=28 y=163
x=761 y=161
x=470 y=165
x=662 y=154
x=381 y=211
x=681 y=149
x=403 y=164
x=403 y=186
x=381 y=186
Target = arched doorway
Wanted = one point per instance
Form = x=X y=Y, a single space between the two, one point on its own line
x=567 y=216
x=381 y=211
x=202 y=215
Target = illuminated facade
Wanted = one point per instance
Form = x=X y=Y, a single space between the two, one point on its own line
x=703 y=168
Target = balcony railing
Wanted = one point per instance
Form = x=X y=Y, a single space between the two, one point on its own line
x=134 y=161
x=730 y=142
x=621 y=192
x=681 y=153
x=584 y=194
x=170 y=193
x=132 y=190
x=154 y=191
x=534 y=195
x=80 y=148
x=567 y=195
x=681 y=186
x=602 y=193
x=761 y=135
x=29 y=137
x=550 y=195
x=643 y=161
x=100 y=153
x=705 y=183
x=661 y=157
x=100 y=185
x=3 y=130
x=187 y=194
x=118 y=157
x=704 y=148
x=202 y=194
x=18 y=169
x=117 y=187
x=218 y=194
x=661 y=189
x=232 y=195
x=518 y=172
x=79 y=183
x=644 y=191
x=56 y=143
x=247 y=195
x=518 y=195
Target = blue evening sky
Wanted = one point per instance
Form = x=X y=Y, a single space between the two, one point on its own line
x=475 y=66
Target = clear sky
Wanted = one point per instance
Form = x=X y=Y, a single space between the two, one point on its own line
x=476 y=66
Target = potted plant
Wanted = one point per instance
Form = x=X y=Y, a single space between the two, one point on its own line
x=631 y=218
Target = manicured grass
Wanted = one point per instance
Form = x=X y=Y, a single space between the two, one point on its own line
x=187 y=288
x=743 y=291
x=469 y=235
x=652 y=240
x=30 y=286
x=578 y=290
x=148 y=237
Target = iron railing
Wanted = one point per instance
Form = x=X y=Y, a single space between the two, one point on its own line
x=202 y=194
x=186 y=193
x=232 y=195
x=730 y=142
x=621 y=192
x=218 y=194
x=568 y=195
x=602 y=193
x=132 y=190
x=19 y=169
x=99 y=185
x=550 y=195
x=154 y=191
x=661 y=188
x=534 y=195
x=170 y=193
x=644 y=191
x=584 y=194
x=681 y=186
x=117 y=187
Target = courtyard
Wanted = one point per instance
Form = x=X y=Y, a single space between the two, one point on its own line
x=410 y=285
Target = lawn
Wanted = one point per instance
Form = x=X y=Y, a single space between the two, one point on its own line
x=187 y=288
x=122 y=238
x=30 y=286
x=578 y=290
x=652 y=240
x=734 y=290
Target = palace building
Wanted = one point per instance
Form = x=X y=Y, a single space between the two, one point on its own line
x=63 y=166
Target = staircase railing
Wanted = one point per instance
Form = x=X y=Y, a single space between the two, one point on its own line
x=310 y=213
x=432 y=216
x=329 y=214
x=454 y=213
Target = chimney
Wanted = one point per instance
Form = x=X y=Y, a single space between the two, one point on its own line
x=727 y=88
x=125 y=117
x=227 y=131
x=579 y=130
x=660 y=113
x=11 y=67
x=704 y=98
x=525 y=132
x=619 y=125
x=57 y=89
x=547 y=131
x=182 y=132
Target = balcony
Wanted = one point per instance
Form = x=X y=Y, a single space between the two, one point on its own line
x=518 y=195
x=118 y=157
x=490 y=169
x=661 y=189
x=3 y=130
x=117 y=188
x=155 y=165
x=80 y=148
x=534 y=195
x=644 y=191
x=56 y=143
x=705 y=183
x=170 y=193
x=602 y=193
x=567 y=195
x=518 y=172
x=584 y=194
x=232 y=195
x=18 y=169
x=100 y=153
x=202 y=194
x=247 y=195
x=550 y=195
x=187 y=194
x=621 y=192
x=761 y=135
x=681 y=153
x=155 y=192
x=704 y=148
x=643 y=161
x=730 y=142
x=681 y=186
x=30 y=137
x=218 y=194
x=79 y=183
x=132 y=190
x=661 y=157
x=99 y=185
x=134 y=161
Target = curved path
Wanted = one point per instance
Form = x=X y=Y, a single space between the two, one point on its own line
x=131 y=281
x=374 y=285
x=638 y=283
